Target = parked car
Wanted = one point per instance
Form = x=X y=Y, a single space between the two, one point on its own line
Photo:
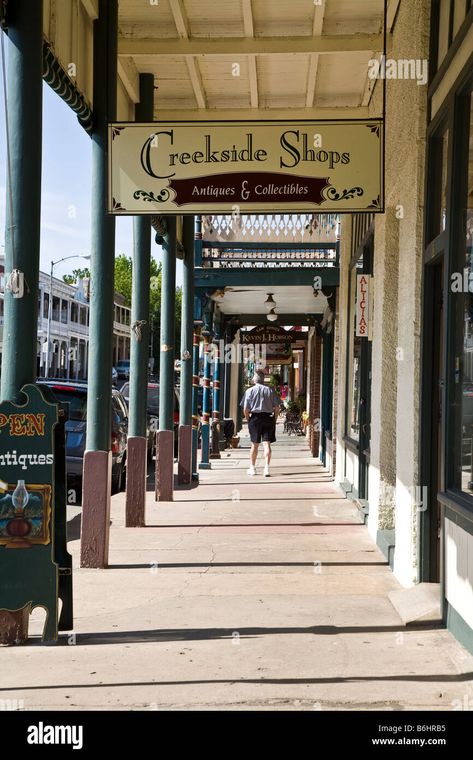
x=114 y=376
x=123 y=369
x=152 y=409
x=75 y=395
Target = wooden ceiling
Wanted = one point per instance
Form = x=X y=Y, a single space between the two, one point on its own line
x=232 y=59
x=253 y=58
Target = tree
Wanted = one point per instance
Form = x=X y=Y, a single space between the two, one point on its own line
x=77 y=274
x=123 y=285
x=123 y=273
x=155 y=313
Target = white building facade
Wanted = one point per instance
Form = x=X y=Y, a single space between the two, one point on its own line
x=69 y=327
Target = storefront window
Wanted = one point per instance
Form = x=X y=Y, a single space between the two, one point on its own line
x=443 y=187
x=353 y=406
x=438 y=185
x=451 y=15
x=463 y=370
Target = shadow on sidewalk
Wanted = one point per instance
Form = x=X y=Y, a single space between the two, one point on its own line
x=210 y=634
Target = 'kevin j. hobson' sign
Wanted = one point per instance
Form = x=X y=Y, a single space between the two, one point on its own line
x=192 y=167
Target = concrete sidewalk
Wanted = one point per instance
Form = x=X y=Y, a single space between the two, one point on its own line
x=246 y=593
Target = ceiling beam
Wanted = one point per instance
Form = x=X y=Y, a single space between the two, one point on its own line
x=312 y=80
x=393 y=6
x=92 y=8
x=248 y=19
x=182 y=25
x=222 y=277
x=254 y=98
x=317 y=27
x=180 y=19
x=128 y=73
x=232 y=46
x=318 y=23
x=369 y=87
x=259 y=114
x=196 y=80
x=283 y=319
x=252 y=69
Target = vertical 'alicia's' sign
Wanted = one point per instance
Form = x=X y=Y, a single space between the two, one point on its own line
x=190 y=167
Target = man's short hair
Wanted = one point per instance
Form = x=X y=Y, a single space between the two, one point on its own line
x=258 y=377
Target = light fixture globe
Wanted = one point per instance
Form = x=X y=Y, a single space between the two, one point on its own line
x=272 y=316
x=270 y=303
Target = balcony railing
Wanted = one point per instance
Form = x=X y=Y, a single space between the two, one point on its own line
x=264 y=241
x=264 y=258
x=282 y=229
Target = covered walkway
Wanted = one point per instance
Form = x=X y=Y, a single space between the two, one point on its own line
x=242 y=593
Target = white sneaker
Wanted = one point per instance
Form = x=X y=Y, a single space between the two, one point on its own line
x=266 y=471
x=251 y=470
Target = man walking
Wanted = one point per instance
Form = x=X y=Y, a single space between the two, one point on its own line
x=260 y=407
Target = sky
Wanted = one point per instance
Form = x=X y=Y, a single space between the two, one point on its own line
x=66 y=189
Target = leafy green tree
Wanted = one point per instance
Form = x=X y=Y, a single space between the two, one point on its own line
x=155 y=313
x=123 y=274
x=77 y=274
x=123 y=285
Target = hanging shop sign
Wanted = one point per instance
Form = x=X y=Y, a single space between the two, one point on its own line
x=362 y=305
x=256 y=166
x=277 y=342
x=269 y=334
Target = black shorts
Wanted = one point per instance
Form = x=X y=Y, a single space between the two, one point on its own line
x=262 y=426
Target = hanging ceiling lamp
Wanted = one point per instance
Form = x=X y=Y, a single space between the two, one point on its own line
x=271 y=315
x=270 y=303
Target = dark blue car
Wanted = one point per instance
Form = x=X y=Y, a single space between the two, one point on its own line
x=75 y=395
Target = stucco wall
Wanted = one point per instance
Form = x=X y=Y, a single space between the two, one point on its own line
x=398 y=245
x=395 y=383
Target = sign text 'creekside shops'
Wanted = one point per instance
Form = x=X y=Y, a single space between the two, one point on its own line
x=187 y=167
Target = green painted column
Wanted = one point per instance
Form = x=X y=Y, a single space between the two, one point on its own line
x=198 y=241
x=206 y=395
x=139 y=348
x=216 y=395
x=195 y=400
x=23 y=212
x=205 y=451
x=22 y=232
x=96 y=473
x=229 y=336
x=184 y=467
x=187 y=322
x=241 y=387
x=164 y=481
x=137 y=444
x=168 y=305
x=103 y=233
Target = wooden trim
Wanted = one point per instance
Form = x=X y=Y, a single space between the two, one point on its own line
x=435 y=248
x=452 y=50
x=181 y=21
x=196 y=81
x=230 y=46
x=458 y=503
x=352 y=445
